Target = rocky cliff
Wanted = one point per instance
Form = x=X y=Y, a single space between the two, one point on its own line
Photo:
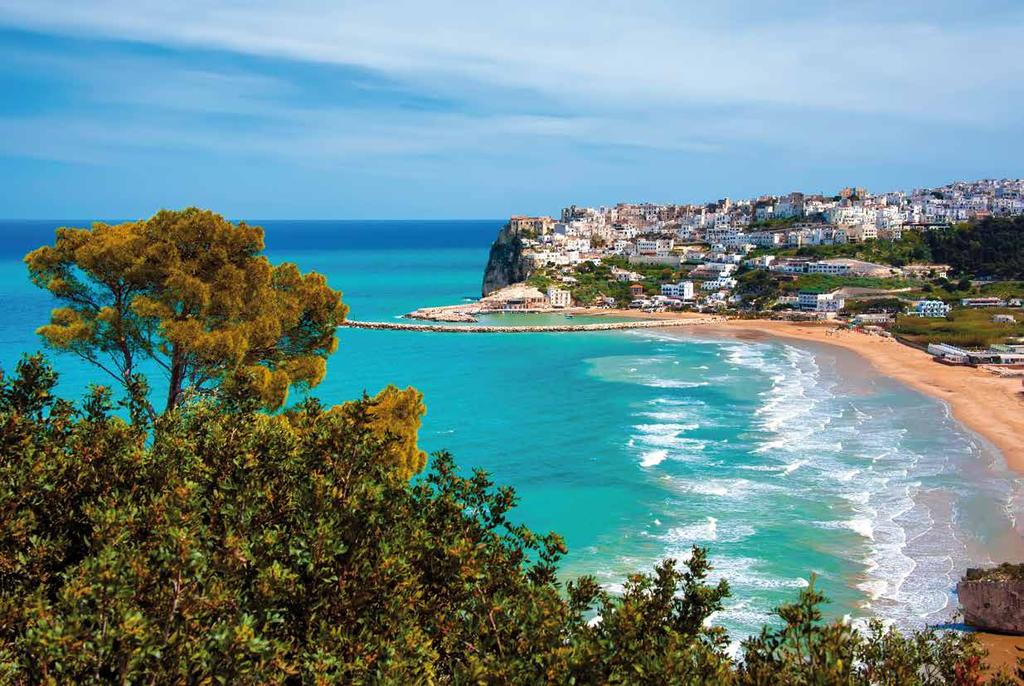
x=506 y=264
x=993 y=599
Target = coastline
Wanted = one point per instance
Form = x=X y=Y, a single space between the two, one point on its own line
x=990 y=406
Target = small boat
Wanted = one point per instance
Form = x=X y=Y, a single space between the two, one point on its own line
x=570 y=316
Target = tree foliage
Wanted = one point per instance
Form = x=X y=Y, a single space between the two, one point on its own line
x=227 y=545
x=992 y=247
x=190 y=293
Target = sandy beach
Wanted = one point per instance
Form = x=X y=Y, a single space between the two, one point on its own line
x=991 y=406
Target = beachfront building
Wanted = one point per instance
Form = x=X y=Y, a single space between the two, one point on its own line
x=982 y=302
x=559 y=298
x=948 y=353
x=636 y=290
x=873 y=319
x=516 y=297
x=1004 y=355
x=682 y=290
x=931 y=308
x=819 y=301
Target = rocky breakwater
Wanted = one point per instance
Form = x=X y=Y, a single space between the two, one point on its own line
x=567 y=328
x=446 y=313
x=507 y=263
x=993 y=599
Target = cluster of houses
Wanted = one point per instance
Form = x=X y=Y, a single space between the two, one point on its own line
x=716 y=238
x=851 y=214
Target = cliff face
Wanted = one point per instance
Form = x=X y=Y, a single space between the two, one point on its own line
x=996 y=604
x=506 y=263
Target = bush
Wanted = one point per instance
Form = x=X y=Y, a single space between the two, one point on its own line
x=232 y=546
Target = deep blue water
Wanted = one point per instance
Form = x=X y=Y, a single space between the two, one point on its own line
x=784 y=460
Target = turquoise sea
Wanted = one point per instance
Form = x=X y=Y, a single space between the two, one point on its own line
x=784 y=460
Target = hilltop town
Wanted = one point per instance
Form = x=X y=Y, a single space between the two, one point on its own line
x=921 y=264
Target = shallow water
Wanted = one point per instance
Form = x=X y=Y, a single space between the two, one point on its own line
x=784 y=460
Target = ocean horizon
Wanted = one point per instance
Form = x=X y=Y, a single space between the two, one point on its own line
x=784 y=459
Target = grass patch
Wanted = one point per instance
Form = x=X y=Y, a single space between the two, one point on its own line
x=828 y=282
x=968 y=328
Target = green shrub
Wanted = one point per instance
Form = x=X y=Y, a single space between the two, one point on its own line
x=231 y=546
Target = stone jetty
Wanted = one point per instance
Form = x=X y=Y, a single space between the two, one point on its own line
x=565 y=328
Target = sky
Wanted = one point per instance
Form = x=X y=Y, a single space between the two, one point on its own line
x=442 y=109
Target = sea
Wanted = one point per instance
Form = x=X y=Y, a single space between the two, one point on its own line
x=787 y=461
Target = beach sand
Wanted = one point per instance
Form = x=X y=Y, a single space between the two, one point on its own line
x=991 y=406
x=1003 y=651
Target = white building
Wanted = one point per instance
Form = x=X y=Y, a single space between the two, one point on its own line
x=683 y=290
x=931 y=308
x=813 y=301
x=559 y=298
x=862 y=232
x=767 y=239
x=832 y=268
x=657 y=246
x=720 y=284
x=762 y=262
x=724 y=234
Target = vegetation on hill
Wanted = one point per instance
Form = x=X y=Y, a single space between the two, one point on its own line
x=828 y=282
x=596 y=281
x=912 y=248
x=1004 y=572
x=758 y=287
x=991 y=247
x=775 y=223
x=971 y=328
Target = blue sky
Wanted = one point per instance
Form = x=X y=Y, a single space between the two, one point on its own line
x=333 y=109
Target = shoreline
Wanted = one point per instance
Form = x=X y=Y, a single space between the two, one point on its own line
x=990 y=406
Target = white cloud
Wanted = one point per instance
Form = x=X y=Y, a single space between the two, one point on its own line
x=600 y=55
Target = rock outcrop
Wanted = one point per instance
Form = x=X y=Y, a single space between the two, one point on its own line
x=993 y=599
x=506 y=263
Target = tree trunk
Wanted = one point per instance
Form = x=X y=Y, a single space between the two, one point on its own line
x=177 y=378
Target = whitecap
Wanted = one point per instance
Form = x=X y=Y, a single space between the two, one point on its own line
x=652 y=458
